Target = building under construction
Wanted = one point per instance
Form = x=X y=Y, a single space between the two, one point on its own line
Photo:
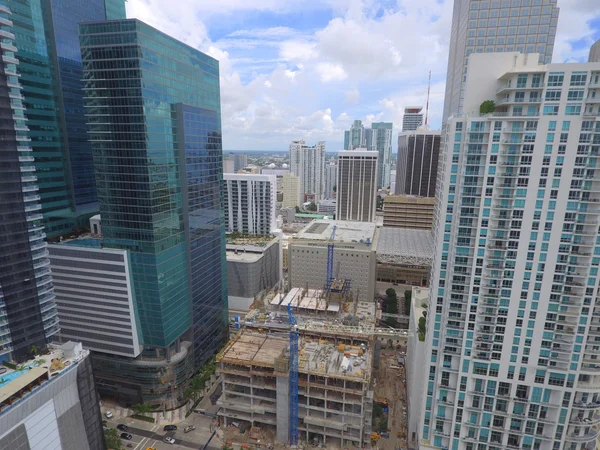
x=335 y=361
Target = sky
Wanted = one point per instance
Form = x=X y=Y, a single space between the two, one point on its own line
x=305 y=69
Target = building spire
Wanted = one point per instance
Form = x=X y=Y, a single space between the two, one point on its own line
x=427 y=107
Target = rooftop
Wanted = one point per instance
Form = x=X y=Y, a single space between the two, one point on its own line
x=315 y=356
x=16 y=384
x=345 y=231
x=405 y=246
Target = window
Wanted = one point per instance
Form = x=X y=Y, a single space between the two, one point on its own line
x=575 y=95
x=553 y=95
x=578 y=78
x=536 y=82
x=556 y=79
x=522 y=81
x=573 y=110
x=551 y=110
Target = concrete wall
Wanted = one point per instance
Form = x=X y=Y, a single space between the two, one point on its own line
x=245 y=279
x=307 y=263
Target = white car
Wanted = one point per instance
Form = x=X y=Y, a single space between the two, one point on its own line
x=169 y=440
x=108 y=414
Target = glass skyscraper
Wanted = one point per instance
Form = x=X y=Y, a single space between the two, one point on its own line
x=382 y=144
x=46 y=35
x=155 y=122
x=492 y=26
x=28 y=314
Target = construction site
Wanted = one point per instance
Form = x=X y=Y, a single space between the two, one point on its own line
x=298 y=370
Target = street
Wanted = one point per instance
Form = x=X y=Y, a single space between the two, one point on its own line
x=151 y=435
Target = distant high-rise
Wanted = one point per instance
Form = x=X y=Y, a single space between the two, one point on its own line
x=595 y=52
x=357 y=185
x=494 y=26
x=46 y=35
x=159 y=189
x=413 y=118
x=417 y=166
x=290 y=186
x=513 y=334
x=331 y=171
x=308 y=164
x=240 y=160
x=355 y=137
x=382 y=144
x=250 y=203
x=27 y=306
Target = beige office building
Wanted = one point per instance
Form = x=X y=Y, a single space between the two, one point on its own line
x=354 y=256
x=291 y=191
x=357 y=185
x=407 y=211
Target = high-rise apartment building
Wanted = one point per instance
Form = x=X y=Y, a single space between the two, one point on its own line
x=512 y=331
x=493 y=26
x=250 y=203
x=26 y=292
x=355 y=137
x=159 y=169
x=417 y=163
x=331 y=171
x=382 y=144
x=46 y=35
x=413 y=118
x=290 y=186
x=357 y=185
x=240 y=160
x=308 y=164
x=595 y=52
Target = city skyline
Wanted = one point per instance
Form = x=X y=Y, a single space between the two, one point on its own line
x=272 y=59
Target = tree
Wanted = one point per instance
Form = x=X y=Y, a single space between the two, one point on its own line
x=297 y=209
x=390 y=292
x=112 y=439
x=311 y=207
x=379 y=202
x=35 y=350
x=335 y=188
x=141 y=409
x=487 y=107
x=391 y=322
x=422 y=325
x=407 y=299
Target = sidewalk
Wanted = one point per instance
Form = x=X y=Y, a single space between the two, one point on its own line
x=172 y=417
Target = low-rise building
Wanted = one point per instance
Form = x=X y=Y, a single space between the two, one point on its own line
x=327 y=206
x=354 y=255
x=404 y=256
x=53 y=404
x=254 y=266
x=408 y=211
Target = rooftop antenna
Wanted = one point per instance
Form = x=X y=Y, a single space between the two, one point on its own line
x=427 y=107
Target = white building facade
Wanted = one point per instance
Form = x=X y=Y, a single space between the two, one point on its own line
x=413 y=118
x=513 y=334
x=331 y=171
x=482 y=26
x=250 y=203
x=357 y=185
x=308 y=164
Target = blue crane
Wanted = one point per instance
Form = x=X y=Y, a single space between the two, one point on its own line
x=330 y=259
x=293 y=378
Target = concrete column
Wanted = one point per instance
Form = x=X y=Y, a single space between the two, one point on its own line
x=283 y=409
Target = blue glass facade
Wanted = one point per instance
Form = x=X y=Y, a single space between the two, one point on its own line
x=46 y=35
x=62 y=17
x=158 y=168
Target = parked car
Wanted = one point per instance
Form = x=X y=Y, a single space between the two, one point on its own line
x=170 y=428
x=189 y=428
x=108 y=414
x=126 y=436
x=169 y=440
x=122 y=427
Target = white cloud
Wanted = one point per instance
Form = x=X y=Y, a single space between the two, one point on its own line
x=368 y=62
x=331 y=72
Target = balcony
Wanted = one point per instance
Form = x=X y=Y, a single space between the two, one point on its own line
x=589 y=436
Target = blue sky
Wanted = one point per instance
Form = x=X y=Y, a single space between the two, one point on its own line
x=295 y=69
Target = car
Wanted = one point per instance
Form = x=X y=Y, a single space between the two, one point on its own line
x=189 y=428
x=126 y=436
x=169 y=440
x=150 y=448
x=122 y=427
x=170 y=428
x=108 y=414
